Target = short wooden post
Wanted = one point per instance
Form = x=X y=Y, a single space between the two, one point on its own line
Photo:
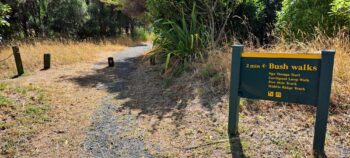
x=153 y=60
x=18 y=60
x=110 y=62
x=47 y=61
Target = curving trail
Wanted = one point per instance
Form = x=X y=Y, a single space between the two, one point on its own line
x=109 y=133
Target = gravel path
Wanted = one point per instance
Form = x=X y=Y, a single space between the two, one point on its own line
x=107 y=136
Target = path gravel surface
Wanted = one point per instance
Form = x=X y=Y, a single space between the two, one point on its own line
x=107 y=136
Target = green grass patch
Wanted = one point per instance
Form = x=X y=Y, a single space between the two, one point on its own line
x=3 y=86
x=4 y=101
x=34 y=110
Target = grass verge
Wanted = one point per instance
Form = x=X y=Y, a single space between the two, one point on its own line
x=62 y=52
x=23 y=110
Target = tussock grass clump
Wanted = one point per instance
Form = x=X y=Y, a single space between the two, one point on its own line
x=62 y=52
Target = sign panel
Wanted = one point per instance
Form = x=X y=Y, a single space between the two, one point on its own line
x=294 y=78
x=280 y=77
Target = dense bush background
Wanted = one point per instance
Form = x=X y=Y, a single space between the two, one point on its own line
x=23 y=19
x=303 y=17
x=258 y=22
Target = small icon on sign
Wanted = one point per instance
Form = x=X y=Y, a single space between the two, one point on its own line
x=271 y=94
x=278 y=94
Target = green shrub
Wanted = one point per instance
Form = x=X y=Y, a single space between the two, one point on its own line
x=67 y=16
x=4 y=10
x=222 y=20
x=183 y=41
x=301 y=19
x=341 y=9
x=140 y=34
x=214 y=16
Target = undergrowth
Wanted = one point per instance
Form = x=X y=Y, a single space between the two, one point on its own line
x=179 y=42
x=219 y=62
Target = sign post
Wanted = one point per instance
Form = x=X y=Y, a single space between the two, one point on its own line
x=293 y=78
x=234 y=87
x=324 y=92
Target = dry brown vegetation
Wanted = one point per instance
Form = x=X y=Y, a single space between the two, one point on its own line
x=40 y=116
x=39 y=110
x=187 y=116
x=62 y=52
x=282 y=129
x=179 y=117
x=23 y=110
x=220 y=61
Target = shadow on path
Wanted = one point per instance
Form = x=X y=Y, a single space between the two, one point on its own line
x=146 y=91
x=106 y=137
x=110 y=79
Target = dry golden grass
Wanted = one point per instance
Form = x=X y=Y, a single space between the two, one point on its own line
x=221 y=60
x=62 y=53
x=341 y=44
x=259 y=117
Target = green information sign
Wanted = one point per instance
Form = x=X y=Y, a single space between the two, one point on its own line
x=280 y=79
x=293 y=78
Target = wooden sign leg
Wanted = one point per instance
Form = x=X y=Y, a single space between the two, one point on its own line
x=237 y=50
x=325 y=85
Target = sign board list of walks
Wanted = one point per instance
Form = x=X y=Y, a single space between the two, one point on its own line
x=292 y=78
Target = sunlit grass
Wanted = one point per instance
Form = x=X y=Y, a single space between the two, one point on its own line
x=62 y=53
x=23 y=111
x=220 y=60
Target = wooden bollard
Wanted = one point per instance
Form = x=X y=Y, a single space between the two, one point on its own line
x=110 y=62
x=153 y=60
x=47 y=61
x=18 y=60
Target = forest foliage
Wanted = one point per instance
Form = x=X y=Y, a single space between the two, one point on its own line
x=23 y=19
x=183 y=28
x=302 y=18
x=259 y=22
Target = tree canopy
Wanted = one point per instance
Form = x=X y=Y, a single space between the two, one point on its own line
x=222 y=20
x=69 y=18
